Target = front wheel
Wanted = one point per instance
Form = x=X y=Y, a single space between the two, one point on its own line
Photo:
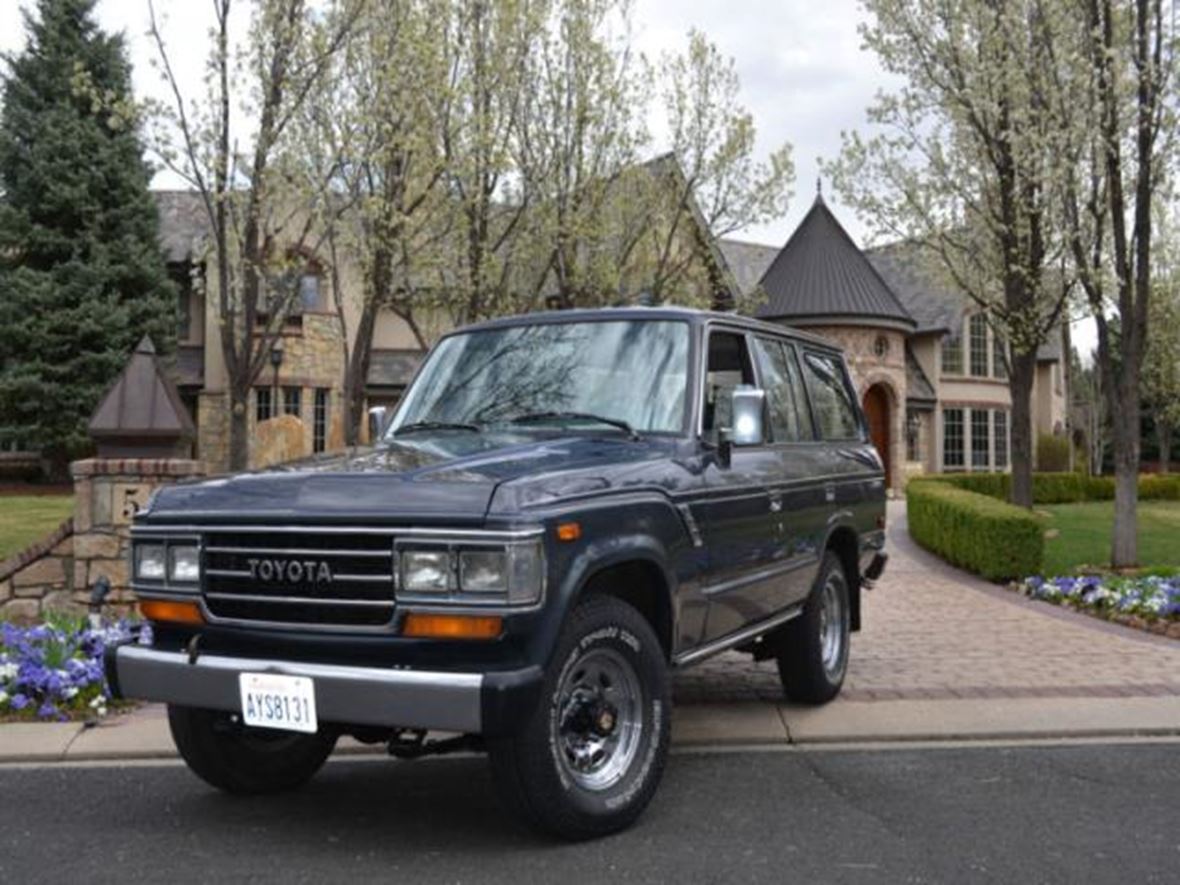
x=238 y=759
x=589 y=758
x=813 y=648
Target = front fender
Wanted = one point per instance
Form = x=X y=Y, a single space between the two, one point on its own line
x=649 y=531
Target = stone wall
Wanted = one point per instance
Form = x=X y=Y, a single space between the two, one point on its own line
x=59 y=571
x=40 y=575
x=312 y=358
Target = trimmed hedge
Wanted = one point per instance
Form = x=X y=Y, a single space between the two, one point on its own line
x=1052 y=453
x=974 y=531
x=1061 y=488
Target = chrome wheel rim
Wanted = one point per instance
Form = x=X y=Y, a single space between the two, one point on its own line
x=599 y=719
x=831 y=628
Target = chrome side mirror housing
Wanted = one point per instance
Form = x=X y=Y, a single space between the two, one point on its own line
x=749 y=405
x=378 y=418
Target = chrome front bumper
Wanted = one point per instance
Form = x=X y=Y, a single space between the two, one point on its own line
x=344 y=695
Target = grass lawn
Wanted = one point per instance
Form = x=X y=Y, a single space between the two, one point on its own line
x=28 y=518
x=1084 y=535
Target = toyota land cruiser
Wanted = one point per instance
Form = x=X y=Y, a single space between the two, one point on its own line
x=564 y=509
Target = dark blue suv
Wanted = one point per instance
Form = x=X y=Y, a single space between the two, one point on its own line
x=563 y=508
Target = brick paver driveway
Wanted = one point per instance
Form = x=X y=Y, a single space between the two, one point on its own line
x=932 y=631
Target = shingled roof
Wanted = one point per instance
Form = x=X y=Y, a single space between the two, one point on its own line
x=820 y=276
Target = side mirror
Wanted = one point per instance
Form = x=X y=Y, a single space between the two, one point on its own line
x=747 y=405
x=377 y=420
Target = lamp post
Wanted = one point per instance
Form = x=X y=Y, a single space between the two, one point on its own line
x=276 y=360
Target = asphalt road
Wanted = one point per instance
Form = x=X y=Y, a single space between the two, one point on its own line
x=1070 y=814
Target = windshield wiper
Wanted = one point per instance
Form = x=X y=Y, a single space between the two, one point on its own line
x=619 y=423
x=435 y=425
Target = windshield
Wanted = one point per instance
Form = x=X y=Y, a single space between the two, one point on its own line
x=630 y=371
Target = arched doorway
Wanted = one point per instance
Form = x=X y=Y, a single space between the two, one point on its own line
x=876 y=406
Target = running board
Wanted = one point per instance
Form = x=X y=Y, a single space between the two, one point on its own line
x=737 y=637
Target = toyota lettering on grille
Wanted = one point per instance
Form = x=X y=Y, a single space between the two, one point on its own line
x=291 y=571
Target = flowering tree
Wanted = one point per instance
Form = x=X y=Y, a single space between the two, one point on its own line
x=1161 y=368
x=965 y=163
x=252 y=202
x=1116 y=80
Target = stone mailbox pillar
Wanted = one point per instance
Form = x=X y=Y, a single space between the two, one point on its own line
x=143 y=435
x=108 y=492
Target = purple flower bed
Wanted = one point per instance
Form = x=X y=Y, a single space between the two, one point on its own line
x=53 y=671
x=1152 y=598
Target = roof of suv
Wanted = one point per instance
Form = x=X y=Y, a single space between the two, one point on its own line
x=690 y=314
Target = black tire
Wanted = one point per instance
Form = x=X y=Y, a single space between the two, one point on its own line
x=548 y=772
x=248 y=761
x=807 y=675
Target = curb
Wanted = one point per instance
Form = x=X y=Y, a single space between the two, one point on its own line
x=145 y=736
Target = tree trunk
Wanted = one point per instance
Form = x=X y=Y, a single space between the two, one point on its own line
x=1164 y=431
x=1125 y=439
x=356 y=374
x=1020 y=382
x=239 y=432
x=1125 y=543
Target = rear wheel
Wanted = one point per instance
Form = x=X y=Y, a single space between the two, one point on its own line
x=238 y=759
x=813 y=648
x=588 y=760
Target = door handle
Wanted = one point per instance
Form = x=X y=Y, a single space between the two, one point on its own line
x=776 y=502
x=830 y=492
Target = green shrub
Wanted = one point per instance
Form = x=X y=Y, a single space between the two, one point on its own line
x=1158 y=488
x=976 y=532
x=1060 y=488
x=1052 y=453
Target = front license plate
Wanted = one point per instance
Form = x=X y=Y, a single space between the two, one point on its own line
x=270 y=700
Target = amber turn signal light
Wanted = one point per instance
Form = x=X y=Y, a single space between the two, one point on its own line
x=569 y=531
x=168 y=610
x=422 y=626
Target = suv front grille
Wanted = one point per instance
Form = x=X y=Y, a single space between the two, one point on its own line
x=313 y=578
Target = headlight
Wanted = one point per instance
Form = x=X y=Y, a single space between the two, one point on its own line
x=150 y=561
x=426 y=571
x=483 y=571
x=509 y=574
x=184 y=564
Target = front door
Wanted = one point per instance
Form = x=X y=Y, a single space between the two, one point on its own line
x=738 y=513
x=876 y=406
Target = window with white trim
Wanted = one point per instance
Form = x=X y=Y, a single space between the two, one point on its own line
x=977 y=338
x=1000 y=427
x=953 y=441
x=952 y=355
x=980 y=439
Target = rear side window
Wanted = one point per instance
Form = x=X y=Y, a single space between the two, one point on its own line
x=789 y=419
x=830 y=398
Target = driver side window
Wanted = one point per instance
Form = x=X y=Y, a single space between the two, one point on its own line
x=727 y=365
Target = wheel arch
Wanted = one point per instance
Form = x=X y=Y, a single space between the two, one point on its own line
x=639 y=577
x=845 y=543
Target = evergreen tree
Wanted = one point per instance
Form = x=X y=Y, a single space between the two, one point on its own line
x=82 y=276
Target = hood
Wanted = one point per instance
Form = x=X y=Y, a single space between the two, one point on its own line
x=445 y=476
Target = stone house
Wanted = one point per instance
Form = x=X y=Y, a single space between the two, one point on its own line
x=929 y=368
x=307 y=382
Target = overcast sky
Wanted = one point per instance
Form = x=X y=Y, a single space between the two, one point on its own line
x=803 y=75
